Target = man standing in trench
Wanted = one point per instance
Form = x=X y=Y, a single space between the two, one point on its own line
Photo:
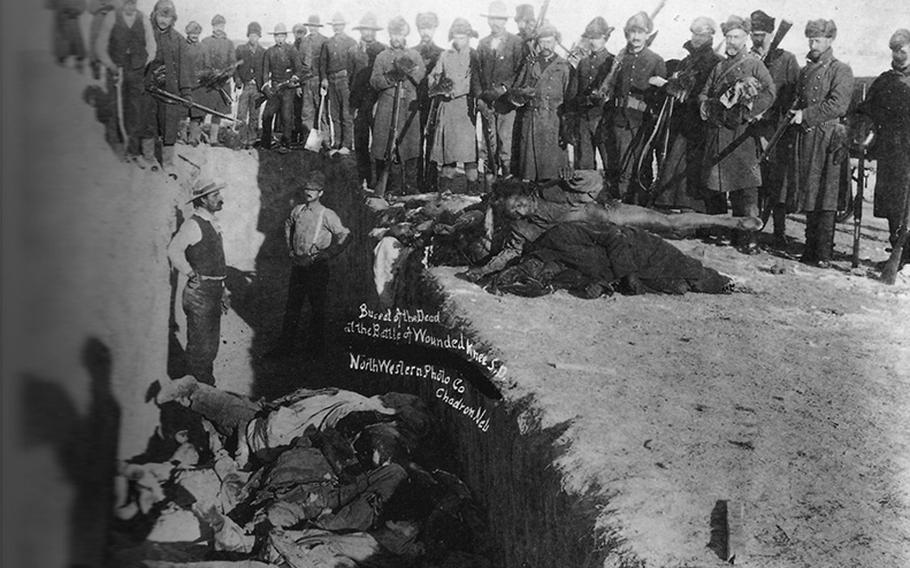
x=197 y=252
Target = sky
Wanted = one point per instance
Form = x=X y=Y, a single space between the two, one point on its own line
x=863 y=26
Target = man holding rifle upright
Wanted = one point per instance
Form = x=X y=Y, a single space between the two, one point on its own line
x=784 y=71
x=823 y=95
x=887 y=105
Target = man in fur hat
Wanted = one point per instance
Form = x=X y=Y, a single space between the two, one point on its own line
x=218 y=57
x=525 y=20
x=310 y=99
x=172 y=71
x=824 y=91
x=397 y=64
x=544 y=136
x=633 y=101
x=784 y=70
x=455 y=81
x=363 y=96
x=281 y=72
x=737 y=91
x=337 y=63
x=427 y=22
x=681 y=185
x=126 y=44
x=588 y=105
x=500 y=56
x=246 y=79
x=887 y=106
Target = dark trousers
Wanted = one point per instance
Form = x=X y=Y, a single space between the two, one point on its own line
x=339 y=94
x=161 y=119
x=363 y=124
x=624 y=143
x=307 y=282
x=590 y=143
x=202 y=306
x=282 y=102
x=68 y=36
x=131 y=94
x=819 y=236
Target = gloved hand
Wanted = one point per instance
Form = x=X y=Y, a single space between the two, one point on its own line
x=404 y=64
x=159 y=76
x=395 y=75
x=442 y=88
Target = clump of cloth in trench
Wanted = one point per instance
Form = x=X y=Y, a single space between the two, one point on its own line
x=582 y=257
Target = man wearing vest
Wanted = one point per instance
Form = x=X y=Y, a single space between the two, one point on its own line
x=125 y=45
x=197 y=252
x=314 y=235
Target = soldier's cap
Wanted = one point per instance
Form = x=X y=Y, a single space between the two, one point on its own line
x=280 y=29
x=736 y=23
x=253 y=28
x=547 y=30
x=597 y=28
x=368 y=22
x=427 y=20
x=337 y=18
x=313 y=21
x=165 y=8
x=524 y=13
x=821 y=28
x=497 y=10
x=703 y=25
x=899 y=39
x=640 y=21
x=218 y=20
x=315 y=181
x=399 y=26
x=461 y=26
x=298 y=28
x=193 y=27
x=761 y=22
x=204 y=186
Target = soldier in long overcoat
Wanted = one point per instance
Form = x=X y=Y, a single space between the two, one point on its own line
x=398 y=64
x=588 y=105
x=363 y=95
x=738 y=90
x=218 y=58
x=887 y=105
x=681 y=181
x=427 y=22
x=813 y=176
x=455 y=140
x=543 y=136
x=172 y=71
x=784 y=70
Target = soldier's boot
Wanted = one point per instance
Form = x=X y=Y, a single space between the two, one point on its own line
x=167 y=161
x=779 y=221
x=825 y=242
x=195 y=134
x=213 y=134
x=147 y=160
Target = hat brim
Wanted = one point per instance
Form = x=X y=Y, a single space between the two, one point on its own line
x=495 y=16
x=314 y=25
x=208 y=190
x=374 y=28
x=336 y=23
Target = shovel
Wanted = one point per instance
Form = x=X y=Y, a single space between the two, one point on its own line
x=317 y=137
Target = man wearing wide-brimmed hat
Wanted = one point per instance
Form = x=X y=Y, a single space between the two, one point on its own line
x=588 y=106
x=738 y=90
x=281 y=72
x=171 y=71
x=197 y=253
x=887 y=106
x=363 y=95
x=337 y=64
x=399 y=64
x=309 y=51
x=542 y=154
x=633 y=102
x=784 y=70
x=426 y=22
x=454 y=80
x=681 y=185
x=246 y=78
x=500 y=55
x=824 y=92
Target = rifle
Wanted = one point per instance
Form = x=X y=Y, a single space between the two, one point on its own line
x=779 y=133
x=782 y=30
x=858 y=199
x=172 y=99
x=390 y=144
x=521 y=76
x=286 y=84
x=429 y=130
x=216 y=80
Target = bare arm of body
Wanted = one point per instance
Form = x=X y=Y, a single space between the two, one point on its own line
x=655 y=221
